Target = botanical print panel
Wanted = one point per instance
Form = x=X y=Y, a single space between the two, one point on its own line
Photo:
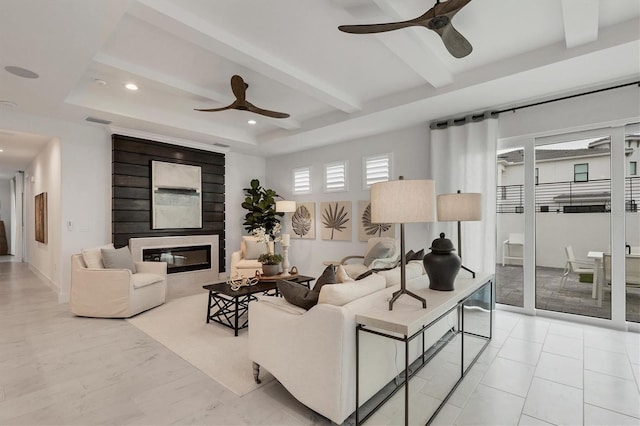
x=336 y=220
x=303 y=221
x=367 y=229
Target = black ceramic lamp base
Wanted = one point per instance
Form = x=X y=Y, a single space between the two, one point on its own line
x=442 y=265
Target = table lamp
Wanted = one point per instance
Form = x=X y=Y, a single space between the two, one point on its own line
x=460 y=207
x=284 y=206
x=403 y=201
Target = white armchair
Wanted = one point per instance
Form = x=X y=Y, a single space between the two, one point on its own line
x=245 y=261
x=116 y=293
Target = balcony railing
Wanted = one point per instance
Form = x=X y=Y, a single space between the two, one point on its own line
x=569 y=197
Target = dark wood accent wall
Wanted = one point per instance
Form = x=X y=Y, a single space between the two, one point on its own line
x=131 y=189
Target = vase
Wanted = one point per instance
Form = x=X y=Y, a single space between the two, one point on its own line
x=442 y=265
x=270 y=270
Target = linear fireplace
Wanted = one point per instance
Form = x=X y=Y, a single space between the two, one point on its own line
x=190 y=259
x=180 y=259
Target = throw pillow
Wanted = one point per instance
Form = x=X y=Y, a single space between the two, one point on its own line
x=378 y=251
x=301 y=296
x=297 y=294
x=254 y=249
x=419 y=255
x=409 y=255
x=118 y=259
x=341 y=275
x=328 y=277
x=93 y=256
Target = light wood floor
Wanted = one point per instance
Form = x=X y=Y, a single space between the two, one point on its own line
x=58 y=369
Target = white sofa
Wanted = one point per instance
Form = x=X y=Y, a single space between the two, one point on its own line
x=116 y=293
x=312 y=353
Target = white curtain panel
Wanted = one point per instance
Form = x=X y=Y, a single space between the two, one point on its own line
x=464 y=158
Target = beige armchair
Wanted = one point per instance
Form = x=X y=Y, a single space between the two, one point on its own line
x=116 y=293
x=245 y=261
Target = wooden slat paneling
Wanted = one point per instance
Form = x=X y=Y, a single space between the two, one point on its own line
x=131 y=193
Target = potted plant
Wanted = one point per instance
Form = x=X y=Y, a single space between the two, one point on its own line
x=270 y=264
x=261 y=205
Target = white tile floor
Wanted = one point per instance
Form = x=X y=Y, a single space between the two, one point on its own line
x=535 y=371
x=548 y=372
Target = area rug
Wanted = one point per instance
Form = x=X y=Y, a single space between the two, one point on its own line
x=181 y=326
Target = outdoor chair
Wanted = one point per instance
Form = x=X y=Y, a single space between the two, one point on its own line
x=577 y=266
x=515 y=240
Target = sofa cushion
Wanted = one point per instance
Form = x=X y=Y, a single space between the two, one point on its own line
x=118 y=259
x=248 y=264
x=412 y=269
x=282 y=304
x=341 y=275
x=342 y=294
x=143 y=279
x=254 y=248
x=299 y=295
x=419 y=255
x=93 y=257
x=379 y=251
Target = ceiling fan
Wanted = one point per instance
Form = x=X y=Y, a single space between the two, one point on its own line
x=239 y=88
x=438 y=19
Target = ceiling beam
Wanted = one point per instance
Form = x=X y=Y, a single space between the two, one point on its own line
x=176 y=83
x=580 y=21
x=235 y=49
x=405 y=43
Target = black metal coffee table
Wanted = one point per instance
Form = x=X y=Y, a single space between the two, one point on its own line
x=232 y=306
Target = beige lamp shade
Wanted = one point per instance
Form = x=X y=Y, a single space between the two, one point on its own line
x=403 y=201
x=459 y=207
x=285 y=206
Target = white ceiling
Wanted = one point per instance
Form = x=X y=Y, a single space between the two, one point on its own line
x=336 y=86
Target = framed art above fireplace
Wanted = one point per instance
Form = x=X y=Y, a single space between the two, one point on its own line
x=176 y=195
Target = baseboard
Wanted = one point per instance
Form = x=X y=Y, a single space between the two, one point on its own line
x=46 y=280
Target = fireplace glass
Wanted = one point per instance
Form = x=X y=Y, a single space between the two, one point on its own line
x=180 y=259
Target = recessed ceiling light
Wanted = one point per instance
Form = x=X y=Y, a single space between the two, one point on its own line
x=21 y=72
x=131 y=86
x=252 y=122
x=1 y=150
x=100 y=81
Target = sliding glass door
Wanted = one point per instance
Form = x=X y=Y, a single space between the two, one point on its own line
x=572 y=191
x=560 y=201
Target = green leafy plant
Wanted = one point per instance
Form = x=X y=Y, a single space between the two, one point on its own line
x=262 y=208
x=270 y=259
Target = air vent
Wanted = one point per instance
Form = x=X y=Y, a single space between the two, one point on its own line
x=97 y=120
x=221 y=145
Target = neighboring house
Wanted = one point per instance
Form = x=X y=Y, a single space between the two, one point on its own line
x=568 y=180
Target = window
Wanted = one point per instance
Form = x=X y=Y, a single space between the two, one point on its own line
x=376 y=168
x=302 y=180
x=335 y=176
x=537 y=175
x=581 y=172
x=633 y=168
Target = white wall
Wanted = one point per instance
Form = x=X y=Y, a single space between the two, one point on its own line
x=239 y=170
x=85 y=193
x=43 y=176
x=409 y=148
x=5 y=209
